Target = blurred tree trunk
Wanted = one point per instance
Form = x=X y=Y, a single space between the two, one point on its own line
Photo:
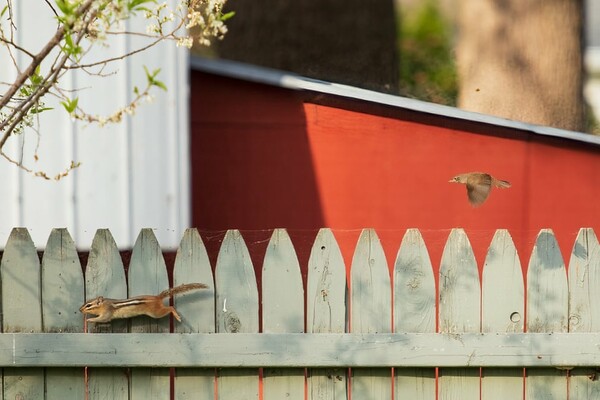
x=343 y=41
x=522 y=59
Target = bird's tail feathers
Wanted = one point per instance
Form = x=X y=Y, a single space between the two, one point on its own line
x=501 y=184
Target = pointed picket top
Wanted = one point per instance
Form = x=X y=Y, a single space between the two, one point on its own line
x=104 y=273
x=371 y=306
x=62 y=294
x=584 y=283
x=20 y=275
x=282 y=291
x=414 y=286
x=237 y=312
x=147 y=276
x=502 y=311
x=547 y=291
x=237 y=293
x=371 y=291
x=459 y=311
x=326 y=286
x=326 y=310
x=105 y=276
x=414 y=311
x=282 y=312
x=459 y=286
x=584 y=310
x=21 y=309
x=502 y=279
x=197 y=308
x=62 y=284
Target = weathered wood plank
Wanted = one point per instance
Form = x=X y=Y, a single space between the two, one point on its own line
x=459 y=311
x=197 y=310
x=148 y=275
x=237 y=312
x=326 y=311
x=371 y=305
x=63 y=293
x=584 y=309
x=414 y=311
x=283 y=312
x=502 y=279
x=21 y=309
x=105 y=276
x=556 y=350
x=547 y=311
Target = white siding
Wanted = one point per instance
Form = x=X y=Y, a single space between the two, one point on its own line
x=133 y=175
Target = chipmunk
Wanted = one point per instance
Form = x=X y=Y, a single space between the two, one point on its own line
x=152 y=306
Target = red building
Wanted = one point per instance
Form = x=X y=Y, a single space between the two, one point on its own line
x=270 y=150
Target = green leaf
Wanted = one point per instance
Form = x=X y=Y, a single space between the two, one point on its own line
x=136 y=5
x=160 y=85
x=226 y=16
x=38 y=110
x=65 y=6
x=3 y=11
x=151 y=77
x=70 y=105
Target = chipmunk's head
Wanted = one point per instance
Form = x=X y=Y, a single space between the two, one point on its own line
x=91 y=306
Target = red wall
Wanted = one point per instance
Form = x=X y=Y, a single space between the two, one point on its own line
x=266 y=157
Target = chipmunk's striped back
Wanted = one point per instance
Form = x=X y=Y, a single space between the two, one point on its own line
x=152 y=306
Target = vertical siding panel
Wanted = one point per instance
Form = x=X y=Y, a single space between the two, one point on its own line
x=237 y=311
x=157 y=204
x=197 y=310
x=63 y=293
x=547 y=311
x=584 y=307
x=148 y=275
x=326 y=311
x=21 y=309
x=502 y=311
x=283 y=312
x=105 y=276
x=414 y=312
x=459 y=311
x=371 y=307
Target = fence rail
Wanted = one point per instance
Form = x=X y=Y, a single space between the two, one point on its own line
x=381 y=325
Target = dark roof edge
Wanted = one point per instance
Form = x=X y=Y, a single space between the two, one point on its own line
x=293 y=81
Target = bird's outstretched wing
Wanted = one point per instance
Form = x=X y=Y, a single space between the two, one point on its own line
x=478 y=188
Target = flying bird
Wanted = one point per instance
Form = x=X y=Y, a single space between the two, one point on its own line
x=479 y=185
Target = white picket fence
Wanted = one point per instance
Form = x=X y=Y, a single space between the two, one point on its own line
x=380 y=337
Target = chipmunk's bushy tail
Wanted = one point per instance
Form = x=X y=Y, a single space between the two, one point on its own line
x=181 y=289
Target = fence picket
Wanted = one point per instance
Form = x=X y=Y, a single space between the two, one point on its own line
x=237 y=311
x=148 y=275
x=502 y=311
x=371 y=307
x=63 y=293
x=459 y=311
x=547 y=311
x=21 y=309
x=326 y=311
x=584 y=313
x=105 y=276
x=197 y=310
x=414 y=311
x=283 y=312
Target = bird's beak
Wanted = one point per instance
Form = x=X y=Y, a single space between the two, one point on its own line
x=452 y=180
